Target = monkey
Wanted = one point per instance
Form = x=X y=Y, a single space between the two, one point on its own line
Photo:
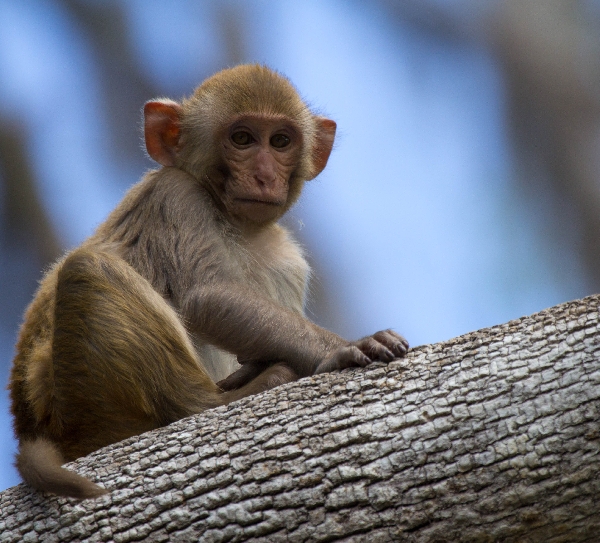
x=191 y=294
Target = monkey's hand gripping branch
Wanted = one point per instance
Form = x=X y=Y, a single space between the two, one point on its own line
x=256 y=329
x=384 y=346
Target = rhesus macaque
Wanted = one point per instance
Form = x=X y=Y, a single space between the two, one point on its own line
x=149 y=320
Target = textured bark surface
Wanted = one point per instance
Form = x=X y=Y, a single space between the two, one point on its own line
x=492 y=436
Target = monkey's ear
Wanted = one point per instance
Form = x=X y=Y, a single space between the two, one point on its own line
x=161 y=130
x=323 y=144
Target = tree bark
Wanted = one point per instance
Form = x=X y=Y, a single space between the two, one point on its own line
x=492 y=436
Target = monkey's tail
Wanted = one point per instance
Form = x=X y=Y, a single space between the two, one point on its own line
x=39 y=463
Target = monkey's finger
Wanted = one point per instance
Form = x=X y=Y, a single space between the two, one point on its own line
x=375 y=349
x=243 y=376
x=352 y=356
x=242 y=361
x=393 y=341
x=345 y=357
x=390 y=336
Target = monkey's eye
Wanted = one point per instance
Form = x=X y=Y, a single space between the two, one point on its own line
x=279 y=141
x=242 y=138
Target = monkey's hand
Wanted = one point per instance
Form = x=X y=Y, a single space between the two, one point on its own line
x=383 y=346
x=249 y=370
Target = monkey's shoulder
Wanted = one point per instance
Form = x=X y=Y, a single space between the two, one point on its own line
x=165 y=219
x=168 y=197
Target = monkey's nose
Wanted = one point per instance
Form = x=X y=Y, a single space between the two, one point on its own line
x=265 y=180
x=266 y=171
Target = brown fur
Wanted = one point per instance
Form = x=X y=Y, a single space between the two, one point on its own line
x=131 y=330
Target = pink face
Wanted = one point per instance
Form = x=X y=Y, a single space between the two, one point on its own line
x=261 y=153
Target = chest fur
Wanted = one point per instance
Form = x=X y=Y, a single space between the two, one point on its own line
x=274 y=264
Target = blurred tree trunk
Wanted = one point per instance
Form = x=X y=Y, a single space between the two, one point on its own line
x=550 y=50
x=28 y=239
x=24 y=219
x=492 y=436
x=125 y=88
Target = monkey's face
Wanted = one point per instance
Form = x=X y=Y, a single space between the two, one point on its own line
x=260 y=154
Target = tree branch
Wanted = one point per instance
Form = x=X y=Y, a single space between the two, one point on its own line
x=492 y=436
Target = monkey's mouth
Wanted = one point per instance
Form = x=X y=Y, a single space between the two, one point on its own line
x=274 y=203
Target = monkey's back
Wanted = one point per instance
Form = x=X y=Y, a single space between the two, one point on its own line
x=31 y=381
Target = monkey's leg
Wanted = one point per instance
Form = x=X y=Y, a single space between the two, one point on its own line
x=123 y=362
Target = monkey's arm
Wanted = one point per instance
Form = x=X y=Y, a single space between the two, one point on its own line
x=236 y=319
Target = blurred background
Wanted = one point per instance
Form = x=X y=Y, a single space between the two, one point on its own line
x=464 y=189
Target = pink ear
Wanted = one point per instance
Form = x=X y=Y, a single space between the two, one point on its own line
x=161 y=130
x=323 y=144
